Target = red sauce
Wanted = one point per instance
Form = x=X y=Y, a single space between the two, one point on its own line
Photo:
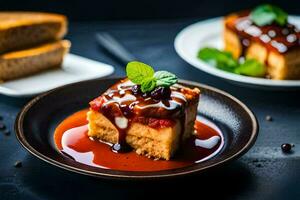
x=71 y=138
x=274 y=37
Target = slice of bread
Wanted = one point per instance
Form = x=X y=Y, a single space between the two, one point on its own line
x=30 y=61
x=19 y=30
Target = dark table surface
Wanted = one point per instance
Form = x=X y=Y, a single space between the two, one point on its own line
x=263 y=173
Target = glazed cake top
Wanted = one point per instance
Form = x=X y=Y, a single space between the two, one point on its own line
x=126 y=99
x=274 y=37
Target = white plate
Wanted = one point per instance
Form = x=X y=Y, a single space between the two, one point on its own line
x=74 y=69
x=208 y=33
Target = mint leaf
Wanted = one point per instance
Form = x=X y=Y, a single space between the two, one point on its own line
x=267 y=14
x=251 y=67
x=281 y=16
x=138 y=71
x=148 y=84
x=142 y=74
x=165 y=79
x=220 y=59
x=224 y=61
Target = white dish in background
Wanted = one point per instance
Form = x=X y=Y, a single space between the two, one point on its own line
x=208 y=33
x=74 y=69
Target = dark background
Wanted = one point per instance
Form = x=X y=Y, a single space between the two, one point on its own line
x=147 y=29
x=141 y=9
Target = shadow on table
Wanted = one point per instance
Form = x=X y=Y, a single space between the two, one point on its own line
x=40 y=180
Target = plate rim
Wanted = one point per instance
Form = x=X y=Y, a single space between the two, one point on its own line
x=21 y=139
x=239 y=79
x=11 y=93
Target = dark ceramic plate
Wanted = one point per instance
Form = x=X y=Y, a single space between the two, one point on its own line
x=36 y=123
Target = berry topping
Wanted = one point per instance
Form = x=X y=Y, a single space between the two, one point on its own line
x=146 y=95
x=161 y=93
x=136 y=89
x=127 y=111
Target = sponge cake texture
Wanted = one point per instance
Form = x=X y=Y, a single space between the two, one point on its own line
x=156 y=142
x=20 y=30
x=33 y=60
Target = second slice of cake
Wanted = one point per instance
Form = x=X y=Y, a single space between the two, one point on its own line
x=276 y=46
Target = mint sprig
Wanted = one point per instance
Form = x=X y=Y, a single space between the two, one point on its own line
x=143 y=74
x=148 y=84
x=164 y=78
x=220 y=59
x=137 y=72
x=251 y=67
x=266 y=14
x=225 y=61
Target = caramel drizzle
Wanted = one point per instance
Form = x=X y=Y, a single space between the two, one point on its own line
x=121 y=105
x=274 y=37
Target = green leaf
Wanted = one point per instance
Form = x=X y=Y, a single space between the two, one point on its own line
x=148 y=84
x=138 y=71
x=142 y=74
x=251 y=67
x=281 y=16
x=267 y=14
x=165 y=79
x=224 y=61
x=220 y=59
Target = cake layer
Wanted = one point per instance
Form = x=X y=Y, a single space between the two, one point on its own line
x=152 y=142
x=155 y=143
x=26 y=62
x=20 y=30
x=160 y=143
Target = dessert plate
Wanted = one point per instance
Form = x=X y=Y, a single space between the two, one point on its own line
x=72 y=70
x=208 y=33
x=37 y=121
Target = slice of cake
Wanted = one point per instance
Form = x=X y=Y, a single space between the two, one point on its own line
x=277 y=46
x=20 y=30
x=33 y=60
x=153 y=123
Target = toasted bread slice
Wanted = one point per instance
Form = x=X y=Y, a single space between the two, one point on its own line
x=19 y=30
x=26 y=62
